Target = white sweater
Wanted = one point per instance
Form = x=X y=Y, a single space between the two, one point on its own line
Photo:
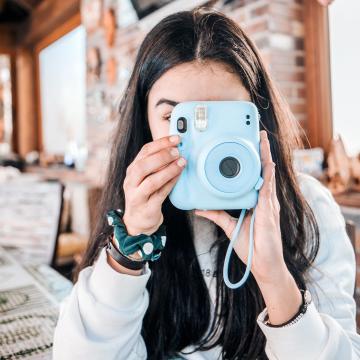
x=102 y=316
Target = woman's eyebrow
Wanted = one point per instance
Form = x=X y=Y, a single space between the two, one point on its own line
x=166 y=101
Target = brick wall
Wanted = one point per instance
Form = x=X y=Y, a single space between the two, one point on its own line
x=277 y=28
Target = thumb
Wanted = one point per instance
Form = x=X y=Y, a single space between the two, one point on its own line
x=220 y=218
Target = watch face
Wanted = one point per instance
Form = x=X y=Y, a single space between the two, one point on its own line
x=307 y=296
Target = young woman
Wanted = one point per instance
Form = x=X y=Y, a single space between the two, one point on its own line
x=167 y=309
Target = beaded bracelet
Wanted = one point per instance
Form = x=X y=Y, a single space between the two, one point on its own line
x=148 y=246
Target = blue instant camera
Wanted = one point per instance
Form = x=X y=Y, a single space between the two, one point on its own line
x=220 y=141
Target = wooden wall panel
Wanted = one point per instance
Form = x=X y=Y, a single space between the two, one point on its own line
x=26 y=117
x=318 y=76
x=46 y=18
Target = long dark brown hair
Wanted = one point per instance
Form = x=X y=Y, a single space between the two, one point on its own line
x=179 y=309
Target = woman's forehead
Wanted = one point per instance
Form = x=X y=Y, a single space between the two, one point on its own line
x=198 y=81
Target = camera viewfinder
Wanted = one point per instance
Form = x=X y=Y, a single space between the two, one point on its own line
x=181 y=124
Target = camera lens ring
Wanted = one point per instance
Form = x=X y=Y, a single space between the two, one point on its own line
x=231 y=187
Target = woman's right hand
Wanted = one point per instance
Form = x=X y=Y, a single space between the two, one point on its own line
x=149 y=179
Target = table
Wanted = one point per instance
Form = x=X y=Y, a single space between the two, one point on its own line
x=30 y=296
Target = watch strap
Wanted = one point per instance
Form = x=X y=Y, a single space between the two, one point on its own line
x=122 y=259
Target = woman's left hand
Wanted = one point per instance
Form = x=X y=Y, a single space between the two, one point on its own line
x=268 y=265
x=278 y=287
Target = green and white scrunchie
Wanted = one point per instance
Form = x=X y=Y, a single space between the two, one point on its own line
x=149 y=246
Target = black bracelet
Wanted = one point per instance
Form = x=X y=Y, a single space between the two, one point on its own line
x=122 y=259
x=306 y=299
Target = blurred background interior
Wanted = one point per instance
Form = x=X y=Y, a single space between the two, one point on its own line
x=63 y=67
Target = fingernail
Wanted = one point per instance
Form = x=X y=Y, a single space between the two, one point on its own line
x=174 y=152
x=174 y=138
x=181 y=162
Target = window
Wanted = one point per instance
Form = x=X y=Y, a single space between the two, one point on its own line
x=63 y=93
x=344 y=27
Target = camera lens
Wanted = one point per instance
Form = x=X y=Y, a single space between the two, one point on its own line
x=181 y=124
x=229 y=167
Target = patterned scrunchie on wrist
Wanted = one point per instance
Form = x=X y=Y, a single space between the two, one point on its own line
x=148 y=246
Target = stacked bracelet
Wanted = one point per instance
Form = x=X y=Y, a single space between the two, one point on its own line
x=148 y=246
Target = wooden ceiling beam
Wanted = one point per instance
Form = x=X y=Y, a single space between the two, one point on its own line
x=7 y=38
x=45 y=18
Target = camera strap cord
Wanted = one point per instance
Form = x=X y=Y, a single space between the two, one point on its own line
x=230 y=248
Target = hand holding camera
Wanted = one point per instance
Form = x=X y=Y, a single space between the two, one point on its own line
x=220 y=141
x=149 y=179
x=267 y=235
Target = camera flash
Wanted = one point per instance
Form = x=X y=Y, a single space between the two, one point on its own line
x=200 y=117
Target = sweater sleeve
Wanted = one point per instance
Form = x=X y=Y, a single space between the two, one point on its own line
x=328 y=329
x=102 y=316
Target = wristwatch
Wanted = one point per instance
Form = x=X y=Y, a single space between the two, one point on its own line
x=121 y=259
x=306 y=297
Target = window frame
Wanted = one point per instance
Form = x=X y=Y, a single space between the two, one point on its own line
x=60 y=31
